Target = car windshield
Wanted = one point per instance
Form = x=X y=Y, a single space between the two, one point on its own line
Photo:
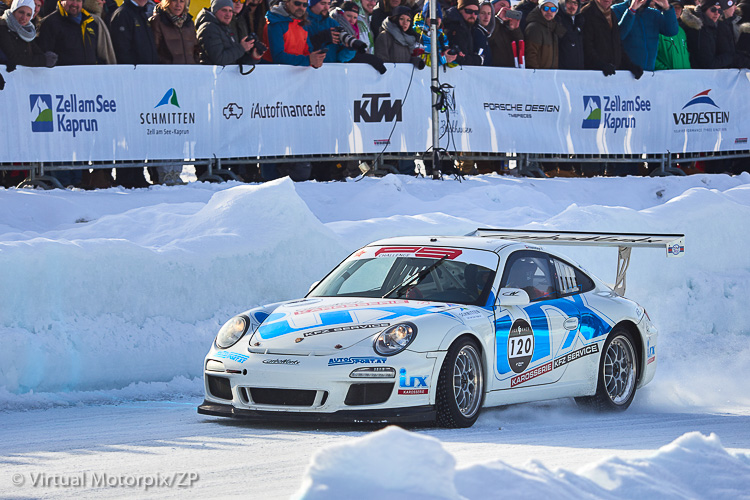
x=406 y=277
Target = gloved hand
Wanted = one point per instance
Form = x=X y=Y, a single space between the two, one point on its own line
x=372 y=60
x=637 y=72
x=418 y=62
x=50 y=59
x=608 y=69
x=359 y=45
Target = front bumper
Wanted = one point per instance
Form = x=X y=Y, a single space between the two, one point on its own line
x=320 y=388
x=374 y=416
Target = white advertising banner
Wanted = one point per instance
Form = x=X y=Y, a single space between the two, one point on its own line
x=584 y=112
x=175 y=112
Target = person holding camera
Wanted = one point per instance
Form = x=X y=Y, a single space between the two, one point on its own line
x=464 y=34
x=640 y=27
x=501 y=29
x=218 y=44
x=250 y=19
x=327 y=34
x=348 y=17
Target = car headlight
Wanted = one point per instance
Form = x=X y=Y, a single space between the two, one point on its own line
x=231 y=332
x=395 y=339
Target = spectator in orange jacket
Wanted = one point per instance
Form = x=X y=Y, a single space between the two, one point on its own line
x=288 y=39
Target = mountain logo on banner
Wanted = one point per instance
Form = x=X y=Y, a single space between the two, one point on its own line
x=701 y=98
x=41 y=113
x=592 y=105
x=169 y=98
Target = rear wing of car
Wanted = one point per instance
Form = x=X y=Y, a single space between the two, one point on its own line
x=673 y=243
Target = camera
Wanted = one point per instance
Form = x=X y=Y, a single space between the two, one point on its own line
x=349 y=41
x=259 y=46
x=453 y=50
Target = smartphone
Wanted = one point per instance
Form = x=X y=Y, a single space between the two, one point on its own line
x=513 y=14
x=323 y=50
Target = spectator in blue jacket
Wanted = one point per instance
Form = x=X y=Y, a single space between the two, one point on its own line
x=640 y=27
x=323 y=32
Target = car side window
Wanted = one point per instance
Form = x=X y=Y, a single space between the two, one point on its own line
x=530 y=271
x=571 y=280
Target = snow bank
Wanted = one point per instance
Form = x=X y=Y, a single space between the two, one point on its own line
x=139 y=295
x=394 y=463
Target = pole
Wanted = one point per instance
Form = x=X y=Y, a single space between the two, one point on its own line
x=434 y=66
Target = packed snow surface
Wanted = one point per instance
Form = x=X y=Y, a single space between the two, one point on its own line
x=114 y=296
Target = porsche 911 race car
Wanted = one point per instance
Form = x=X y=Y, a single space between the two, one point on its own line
x=434 y=328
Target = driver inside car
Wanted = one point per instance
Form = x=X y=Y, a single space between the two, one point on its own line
x=522 y=275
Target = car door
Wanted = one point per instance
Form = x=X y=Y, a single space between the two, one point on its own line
x=529 y=337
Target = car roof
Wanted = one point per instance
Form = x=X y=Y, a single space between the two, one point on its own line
x=474 y=242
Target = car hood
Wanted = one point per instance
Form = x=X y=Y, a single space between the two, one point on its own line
x=325 y=324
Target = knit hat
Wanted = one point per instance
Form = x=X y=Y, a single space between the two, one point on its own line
x=401 y=10
x=466 y=3
x=350 y=6
x=17 y=4
x=722 y=4
x=220 y=4
x=426 y=10
x=544 y=2
x=312 y=2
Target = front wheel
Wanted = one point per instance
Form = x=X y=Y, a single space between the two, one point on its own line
x=618 y=374
x=460 y=385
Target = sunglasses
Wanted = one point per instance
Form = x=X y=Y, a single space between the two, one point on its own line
x=548 y=8
x=472 y=12
x=714 y=10
x=299 y=4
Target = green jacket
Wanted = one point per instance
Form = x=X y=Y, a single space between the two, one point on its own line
x=673 y=52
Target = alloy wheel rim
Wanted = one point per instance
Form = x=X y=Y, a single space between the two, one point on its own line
x=467 y=381
x=619 y=370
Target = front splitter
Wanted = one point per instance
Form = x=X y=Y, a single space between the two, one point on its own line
x=380 y=416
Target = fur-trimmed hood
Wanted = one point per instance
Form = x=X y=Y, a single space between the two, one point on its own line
x=690 y=18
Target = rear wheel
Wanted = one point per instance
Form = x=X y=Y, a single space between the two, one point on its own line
x=618 y=374
x=460 y=385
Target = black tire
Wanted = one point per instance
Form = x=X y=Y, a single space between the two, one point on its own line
x=460 y=390
x=618 y=374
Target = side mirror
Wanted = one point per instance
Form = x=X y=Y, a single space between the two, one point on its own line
x=313 y=286
x=513 y=297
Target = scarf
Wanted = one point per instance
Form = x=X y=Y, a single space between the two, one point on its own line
x=178 y=21
x=399 y=35
x=26 y=33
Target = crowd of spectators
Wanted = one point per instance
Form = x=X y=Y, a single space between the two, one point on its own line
x=632 y=35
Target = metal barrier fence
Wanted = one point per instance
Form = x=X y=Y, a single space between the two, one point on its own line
x=525 y=165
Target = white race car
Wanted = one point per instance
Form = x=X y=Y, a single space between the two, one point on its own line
x=434 y=328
